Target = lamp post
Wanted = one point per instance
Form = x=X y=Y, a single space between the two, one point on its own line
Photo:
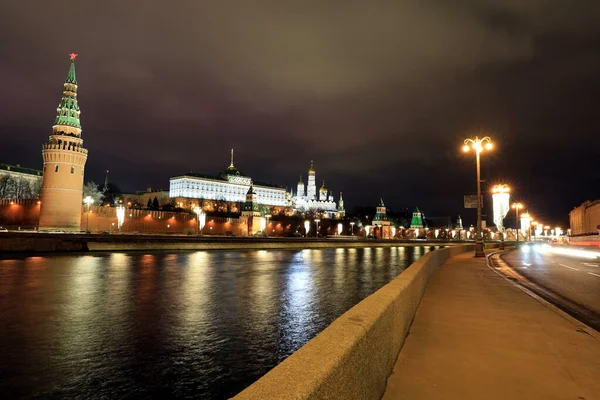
x=267 y=216
x=317 y=220
x=200 y=216
x=478 y=145
x=88 y=201
x=533 y=228
x=517 y=207
x=352 y=228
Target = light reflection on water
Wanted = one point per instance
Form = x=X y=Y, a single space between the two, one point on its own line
x=202 y=324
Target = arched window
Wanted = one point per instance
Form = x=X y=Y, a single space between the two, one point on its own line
x=56 y=168
x=72 y=170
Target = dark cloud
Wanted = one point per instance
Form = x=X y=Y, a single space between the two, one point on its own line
x=379 y=93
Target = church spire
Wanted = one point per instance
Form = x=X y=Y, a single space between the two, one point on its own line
x=231 y=166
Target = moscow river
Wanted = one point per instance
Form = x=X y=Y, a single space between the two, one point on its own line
x=172 y=325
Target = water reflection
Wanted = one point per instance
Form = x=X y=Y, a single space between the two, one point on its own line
x=201 y=324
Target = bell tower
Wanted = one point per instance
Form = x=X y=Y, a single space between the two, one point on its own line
x=64 y=163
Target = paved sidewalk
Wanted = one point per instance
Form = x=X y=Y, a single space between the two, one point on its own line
x=476 y=336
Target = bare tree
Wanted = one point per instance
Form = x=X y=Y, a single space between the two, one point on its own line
x=21 y=190
x=36 y=188
x=4 y=186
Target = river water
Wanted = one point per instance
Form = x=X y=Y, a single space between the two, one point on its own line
x=172 y=325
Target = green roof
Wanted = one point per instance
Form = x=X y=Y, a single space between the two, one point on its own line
x=19 y=169
x=68 y=109
x=71 y=77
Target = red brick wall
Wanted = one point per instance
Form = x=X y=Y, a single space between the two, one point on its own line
x=22 y=214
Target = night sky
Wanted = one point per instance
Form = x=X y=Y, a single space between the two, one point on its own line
x=380 y=94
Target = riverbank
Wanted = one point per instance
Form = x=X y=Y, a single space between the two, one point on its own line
x=32 y=242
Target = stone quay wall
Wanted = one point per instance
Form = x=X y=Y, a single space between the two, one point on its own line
x=353 y=357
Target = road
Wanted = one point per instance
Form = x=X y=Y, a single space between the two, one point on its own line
x=571 y=283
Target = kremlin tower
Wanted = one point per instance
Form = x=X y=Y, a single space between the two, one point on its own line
x=64 y=162
x=311 y=188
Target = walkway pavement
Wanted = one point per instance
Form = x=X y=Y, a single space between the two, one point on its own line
x=476 y=336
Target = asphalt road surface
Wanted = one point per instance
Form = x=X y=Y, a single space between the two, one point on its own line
x=569 y=282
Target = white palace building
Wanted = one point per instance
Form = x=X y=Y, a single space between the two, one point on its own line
x=230 y=185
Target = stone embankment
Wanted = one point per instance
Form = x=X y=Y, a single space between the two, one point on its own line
x=32 y=242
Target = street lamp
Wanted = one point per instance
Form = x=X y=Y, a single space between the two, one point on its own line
x=267 y=216
x=317 y=220
x=352 y=228
x=517 y=207
x=478 y=145
x=201 y=219
x=88 y=201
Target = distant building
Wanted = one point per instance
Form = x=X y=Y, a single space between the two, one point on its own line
x=309 y=200
x=585 y=219
x=64 y=163
x=16 y=171
x=231 y=185
x=17 y=182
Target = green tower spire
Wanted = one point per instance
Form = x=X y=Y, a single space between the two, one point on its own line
x=381 y=214
x=71 y=77
x=68 y=111
x=417 y=219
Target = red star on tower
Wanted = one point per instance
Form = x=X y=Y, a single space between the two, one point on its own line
x=73 y=56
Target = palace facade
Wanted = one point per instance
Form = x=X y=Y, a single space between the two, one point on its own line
x=231 y=185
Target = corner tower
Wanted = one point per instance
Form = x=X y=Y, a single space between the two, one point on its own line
x=64 y=163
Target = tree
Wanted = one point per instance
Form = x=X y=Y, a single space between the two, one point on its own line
x=5 y=186
x=91 y=189
x=18 y=188
x=21 y=189
x=36 y=189
x=149 y=205
x=155 y=204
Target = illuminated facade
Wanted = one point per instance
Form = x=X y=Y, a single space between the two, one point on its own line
x=64 y=163
x=231 y=185
x=501 y=204
x=311 y=200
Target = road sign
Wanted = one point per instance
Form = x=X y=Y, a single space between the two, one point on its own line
x=471 y=201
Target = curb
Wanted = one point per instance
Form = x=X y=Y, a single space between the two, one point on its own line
x=580 y=325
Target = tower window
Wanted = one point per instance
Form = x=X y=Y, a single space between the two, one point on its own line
x=56 y=168
x=72 y=170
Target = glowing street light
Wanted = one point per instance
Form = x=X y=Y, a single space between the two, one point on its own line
x=340 y=227
x=517 y=207
x=501 y=204
x=201 y=219
x=120 y=216
x=306 y=227
x=88 y=201
x=352 y=228
x=317 y=220
x=525 y=225
x=478 y=145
